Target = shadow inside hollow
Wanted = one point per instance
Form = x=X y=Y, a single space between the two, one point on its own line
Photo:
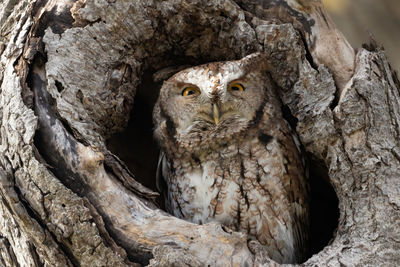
x=135 y=145
x=324 y=208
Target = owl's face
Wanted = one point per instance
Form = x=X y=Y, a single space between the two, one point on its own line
x=211 y=102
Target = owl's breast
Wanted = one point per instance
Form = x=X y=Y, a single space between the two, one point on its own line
x=225 y=185
x=256 y=186
x=195 y=195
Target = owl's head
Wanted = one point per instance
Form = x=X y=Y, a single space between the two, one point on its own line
x=211 y=103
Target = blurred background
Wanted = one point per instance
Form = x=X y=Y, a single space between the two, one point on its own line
x=380 y=17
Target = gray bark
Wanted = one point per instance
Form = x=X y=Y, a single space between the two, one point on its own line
x=69 y=76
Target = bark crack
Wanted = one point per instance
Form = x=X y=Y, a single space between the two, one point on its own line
x=35 y=255
x=6 y=244
x=67 y=252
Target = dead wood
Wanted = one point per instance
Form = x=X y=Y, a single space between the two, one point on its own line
x=70 y=71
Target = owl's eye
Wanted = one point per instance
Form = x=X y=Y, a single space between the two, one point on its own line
x=190 y=91
x=236 y=87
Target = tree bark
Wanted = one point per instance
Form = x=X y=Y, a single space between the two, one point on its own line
x=69 y=76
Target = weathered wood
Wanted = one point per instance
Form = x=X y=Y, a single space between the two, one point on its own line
x=69 y=74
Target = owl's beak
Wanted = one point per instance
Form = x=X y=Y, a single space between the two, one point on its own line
x=216 y=113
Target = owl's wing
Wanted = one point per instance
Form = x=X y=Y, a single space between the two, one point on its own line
x=161 y=171
x=300 y=194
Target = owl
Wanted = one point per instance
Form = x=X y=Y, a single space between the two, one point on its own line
x=229 y=156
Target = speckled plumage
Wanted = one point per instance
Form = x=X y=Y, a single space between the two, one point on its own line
x=246 y=171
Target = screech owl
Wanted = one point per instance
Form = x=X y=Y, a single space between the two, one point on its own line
x=227 y=155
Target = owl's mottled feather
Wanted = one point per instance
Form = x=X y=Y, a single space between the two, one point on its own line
x=245 y=170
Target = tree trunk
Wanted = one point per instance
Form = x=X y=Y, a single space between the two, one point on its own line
x=70 y=72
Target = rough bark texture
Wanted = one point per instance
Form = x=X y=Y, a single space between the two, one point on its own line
x=69 y=72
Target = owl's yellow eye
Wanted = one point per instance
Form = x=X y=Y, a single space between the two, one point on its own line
x=188 y=91
x=236 y=87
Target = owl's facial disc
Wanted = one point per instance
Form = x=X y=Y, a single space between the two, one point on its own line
x=212 y=102
x=216 y=106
